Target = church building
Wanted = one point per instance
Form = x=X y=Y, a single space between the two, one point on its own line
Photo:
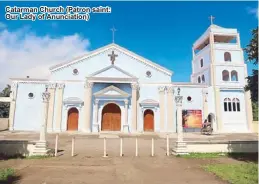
x=114 y=89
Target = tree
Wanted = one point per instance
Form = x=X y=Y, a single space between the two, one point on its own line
x=4 y=106
x=252 y=56
x=252 y=81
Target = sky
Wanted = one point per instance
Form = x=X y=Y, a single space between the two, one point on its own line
x=162 y=32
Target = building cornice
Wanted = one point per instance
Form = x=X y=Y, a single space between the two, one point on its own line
x=111 y=79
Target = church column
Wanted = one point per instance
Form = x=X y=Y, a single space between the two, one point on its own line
x=51 y=89
x=96 y=126
x=170 y=110
x=134 y=88
x=161 y=90
x=125 y=127
x=205 y=103
x=59 y=105
x=12 y=105
x=87 y=106
x=218 y=109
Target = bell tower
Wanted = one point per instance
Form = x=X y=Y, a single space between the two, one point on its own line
x=218 y=62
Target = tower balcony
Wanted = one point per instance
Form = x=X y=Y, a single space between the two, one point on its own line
x=227 y=46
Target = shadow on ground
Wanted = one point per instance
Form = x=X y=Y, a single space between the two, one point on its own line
x=11 y=180
x=15 y=156
x=246 y=151
x=245 y=157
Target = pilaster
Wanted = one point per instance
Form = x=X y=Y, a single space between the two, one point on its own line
x=87 y=106
x=96 y=108
x=135 y=88
x=59 y=105
x=161 y=90
x=218 y=112
x=126 y=124
x=51 y=89
x=170 y=109
x=13 y=95
x=205 y=103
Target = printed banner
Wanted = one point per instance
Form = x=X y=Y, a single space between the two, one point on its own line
x=192 y=118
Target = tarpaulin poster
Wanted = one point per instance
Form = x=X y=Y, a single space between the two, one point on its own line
x=192 y=118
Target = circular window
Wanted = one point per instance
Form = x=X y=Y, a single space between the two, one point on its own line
x=75 y=71
x=189 y=99
x=148 y=73
x=30 y=95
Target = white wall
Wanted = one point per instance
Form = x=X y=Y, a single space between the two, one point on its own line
x=240 y=71
x=205 y=55
x=233 y=121
x=29 y=111
x=236 y=56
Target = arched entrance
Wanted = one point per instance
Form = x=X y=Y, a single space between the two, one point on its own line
x=211 y=118
x=72 y=119
x=148 y=121
x=111 y=118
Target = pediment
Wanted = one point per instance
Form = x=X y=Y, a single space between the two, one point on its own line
x=149 y=102
x=117 y=48
x=73 y=100
x=111 y=91
x=112 y=71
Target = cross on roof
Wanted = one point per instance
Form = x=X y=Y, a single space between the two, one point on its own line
x=211 y=19
x=113 y=31
x=112 y=57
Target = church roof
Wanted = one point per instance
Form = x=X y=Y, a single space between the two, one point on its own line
x=113 y=46
x=216 y=26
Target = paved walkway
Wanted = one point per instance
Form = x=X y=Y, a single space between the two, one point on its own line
x=189 y=136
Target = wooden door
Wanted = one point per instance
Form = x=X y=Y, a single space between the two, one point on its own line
x=111 y=118
x=149 y=120
x=72 y=119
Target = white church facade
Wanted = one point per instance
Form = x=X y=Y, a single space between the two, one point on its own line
x=114 y=89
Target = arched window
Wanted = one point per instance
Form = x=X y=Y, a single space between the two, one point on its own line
x=203 y=79
x=199 y=79
x=234 y=75
x=225 y=75
x=227 y=104
x=236 y=104
x=201 y=63
x=227 y=56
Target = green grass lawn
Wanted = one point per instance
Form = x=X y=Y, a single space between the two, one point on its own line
x=246 y=173
x=204 y=155
x=38 y=157
x=5 y=174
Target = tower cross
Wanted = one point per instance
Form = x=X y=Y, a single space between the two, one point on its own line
x=113 y=33
x=211 y=19
x=112 y=57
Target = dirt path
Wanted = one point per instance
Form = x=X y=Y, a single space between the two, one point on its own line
x=116 y=170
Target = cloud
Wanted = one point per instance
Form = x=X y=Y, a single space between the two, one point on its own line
x=253 y=11
x=23 y=53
